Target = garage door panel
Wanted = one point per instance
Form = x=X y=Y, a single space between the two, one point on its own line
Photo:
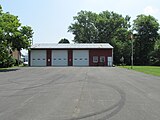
x=59 y=57
x=80 y=57
x=38 y=58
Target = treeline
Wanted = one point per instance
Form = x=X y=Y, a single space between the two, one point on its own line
x=113 y=28
x=13 y=36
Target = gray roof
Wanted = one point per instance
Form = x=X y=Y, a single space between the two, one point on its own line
x=71 y=46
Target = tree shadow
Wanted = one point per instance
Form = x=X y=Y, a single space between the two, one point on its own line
x=9 y=70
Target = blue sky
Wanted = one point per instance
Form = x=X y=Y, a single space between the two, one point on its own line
x=50 y=18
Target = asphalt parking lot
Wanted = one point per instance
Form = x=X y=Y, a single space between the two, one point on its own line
x=78 y=93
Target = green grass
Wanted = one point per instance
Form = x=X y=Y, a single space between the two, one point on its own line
x=3 y=68
x=21 y=65
x=153 y=70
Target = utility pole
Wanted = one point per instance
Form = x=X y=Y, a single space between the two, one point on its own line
x=131 y=51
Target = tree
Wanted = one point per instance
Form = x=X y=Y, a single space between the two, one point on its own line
x=155 y=55
x=146 y=28
x=4 y=54
x=12 y=35
x=64 y=40
x=84 y=28
x=105 y=27
x=22 y=39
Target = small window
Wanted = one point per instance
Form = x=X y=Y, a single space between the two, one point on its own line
x=75 y=58
x=64 y=59
x=85 y=58
x=33 y=59
x=44 y=59
x=38 y=59
x=102 y=59
x=80 y=59
x=59 y=59
x=95 y=59
x=54 y=59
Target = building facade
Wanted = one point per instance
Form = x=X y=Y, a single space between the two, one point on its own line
x=71 y=55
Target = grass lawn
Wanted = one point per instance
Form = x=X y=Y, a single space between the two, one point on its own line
x=7 y=68
x=4 y=68
x=1 y=68
x=153 y=70
x=10 y=68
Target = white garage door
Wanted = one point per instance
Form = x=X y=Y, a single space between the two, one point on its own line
x=59 y=57
x=80 y=57
x=38 y=58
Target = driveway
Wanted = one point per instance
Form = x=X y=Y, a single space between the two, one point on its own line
x=78 y=93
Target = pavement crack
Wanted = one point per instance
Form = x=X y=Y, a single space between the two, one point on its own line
x=77 y=107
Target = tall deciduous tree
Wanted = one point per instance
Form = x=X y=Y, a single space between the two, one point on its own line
x=84 y=28
x=12 y=35
x=155 y=55
x=106 y=27
x=147 y=33
x=22 y=39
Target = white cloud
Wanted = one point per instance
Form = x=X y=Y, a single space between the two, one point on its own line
x=150 y=10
